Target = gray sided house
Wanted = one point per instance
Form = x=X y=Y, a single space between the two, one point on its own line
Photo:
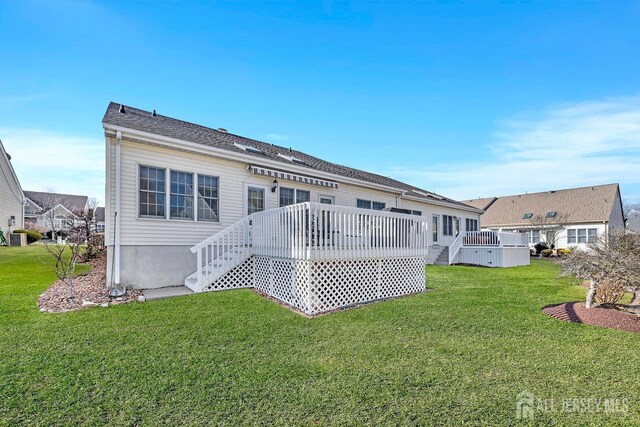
x=191 y=205
x=568 y=218
x=11 y=196
x=45 y=209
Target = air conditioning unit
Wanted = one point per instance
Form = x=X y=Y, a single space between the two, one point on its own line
x=17 y=239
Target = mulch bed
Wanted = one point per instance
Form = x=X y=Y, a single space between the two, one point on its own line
x=89 y=290
x=604 y=317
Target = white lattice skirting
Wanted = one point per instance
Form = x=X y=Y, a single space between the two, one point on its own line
x=318 y=286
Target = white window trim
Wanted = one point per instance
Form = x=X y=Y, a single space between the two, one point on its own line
x=325 y=196
x=195 y=195
x=371 y=202
x=167 y=196
x=436 y=230
x=295 y=193
x=245 y=195
x=446 y=222
x=193 y=178
x=150 y=218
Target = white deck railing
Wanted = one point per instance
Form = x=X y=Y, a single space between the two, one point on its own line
x=312 y=231
x=500 y=239
x=319 y=231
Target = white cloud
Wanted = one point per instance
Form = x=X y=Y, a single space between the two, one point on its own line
x=276 y=137
x=572 y=145
x=46 y=160
x=10 y=101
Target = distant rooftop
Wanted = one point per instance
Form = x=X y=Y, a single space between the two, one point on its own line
x=573 y=205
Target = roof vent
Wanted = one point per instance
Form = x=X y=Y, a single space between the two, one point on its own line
x=248 y=148
x=121 y=110
x=154 y=113
x=223 y=130
x=292 y=159
x=552 y=191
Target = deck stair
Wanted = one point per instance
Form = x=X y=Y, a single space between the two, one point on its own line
x=443 y=257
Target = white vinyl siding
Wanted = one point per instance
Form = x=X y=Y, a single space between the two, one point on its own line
x=11 y=196
x=233 y=181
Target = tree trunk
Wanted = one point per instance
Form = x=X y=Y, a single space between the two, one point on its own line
x=591 y=294
x=635 y=300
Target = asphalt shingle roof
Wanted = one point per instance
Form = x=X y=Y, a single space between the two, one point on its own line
x=145 y=121
x=574 y=205
x=46 y=200
x=99 y=214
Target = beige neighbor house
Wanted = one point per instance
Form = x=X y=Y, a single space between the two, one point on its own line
x=203 y=208
x=11 y=196
x=570 y=218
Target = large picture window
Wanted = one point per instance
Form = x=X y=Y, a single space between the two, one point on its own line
x=152 y=192
x=181 y=195
x=208 y=198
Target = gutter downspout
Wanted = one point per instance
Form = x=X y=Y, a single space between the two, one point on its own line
x=116 y=237
x=399 y=199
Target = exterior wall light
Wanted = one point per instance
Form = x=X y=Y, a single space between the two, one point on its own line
x=274 y=186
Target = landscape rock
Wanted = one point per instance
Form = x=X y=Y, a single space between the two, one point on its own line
x=89 y=291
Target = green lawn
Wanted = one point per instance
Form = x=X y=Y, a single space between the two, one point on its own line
x=459 y=354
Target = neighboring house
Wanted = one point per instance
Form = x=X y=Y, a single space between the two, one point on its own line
x=633 y=223
x=11 y=196
x=568 y=218
x=46 y=209
x=99 y=220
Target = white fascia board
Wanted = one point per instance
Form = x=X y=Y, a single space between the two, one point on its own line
x=32 y=202
x=444 y=203
x=174 y=143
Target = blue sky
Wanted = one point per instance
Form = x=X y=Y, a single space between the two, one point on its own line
x=467 y=99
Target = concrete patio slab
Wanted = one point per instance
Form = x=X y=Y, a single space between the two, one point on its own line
x=172 y=291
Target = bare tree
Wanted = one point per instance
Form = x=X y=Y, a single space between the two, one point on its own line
x=611 y=263
x=69 y=236
x=85 y=228
x=551 y=227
